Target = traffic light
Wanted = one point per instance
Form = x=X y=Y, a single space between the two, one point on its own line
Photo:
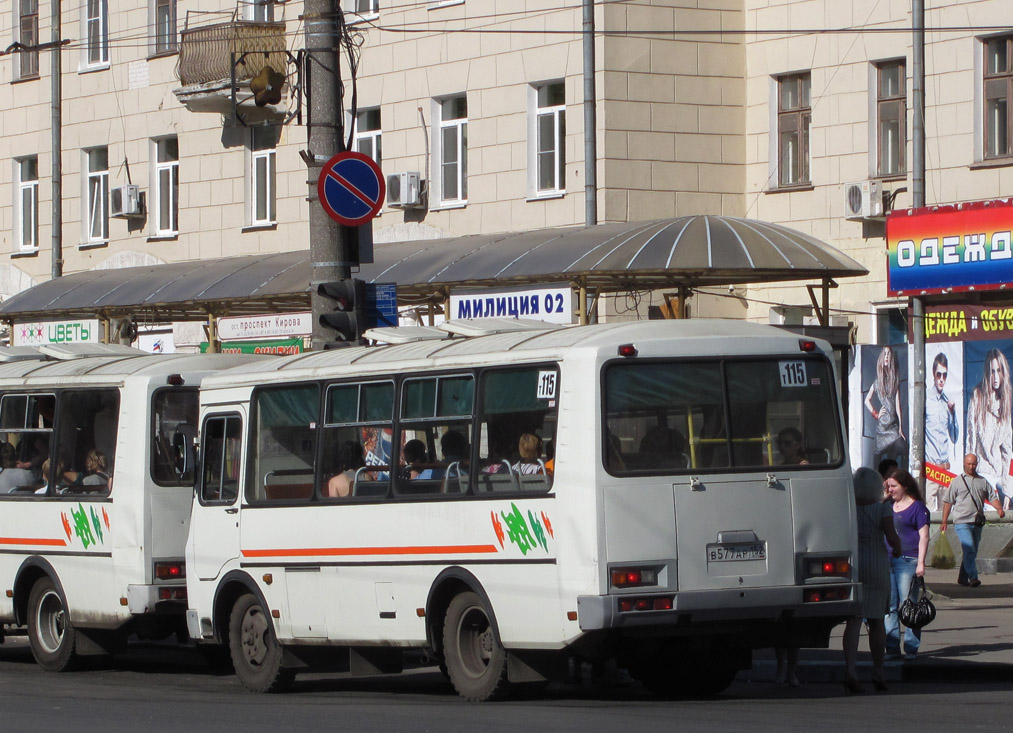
x=349 y=316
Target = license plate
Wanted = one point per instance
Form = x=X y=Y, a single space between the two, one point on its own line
x=732 y=553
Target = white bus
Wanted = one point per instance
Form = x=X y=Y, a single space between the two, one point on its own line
x=501 y=503
x=98 y=468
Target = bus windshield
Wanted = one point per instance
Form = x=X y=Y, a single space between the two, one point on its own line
x=676 y=416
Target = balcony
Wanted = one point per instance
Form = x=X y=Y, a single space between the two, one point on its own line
x=205 y=67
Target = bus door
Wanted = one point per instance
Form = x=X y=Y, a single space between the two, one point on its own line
x=215 y=523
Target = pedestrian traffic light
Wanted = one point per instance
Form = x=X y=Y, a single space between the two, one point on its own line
x=348 y=318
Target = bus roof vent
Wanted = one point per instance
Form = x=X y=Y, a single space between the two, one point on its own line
x=404 y=334
x=20 y=353
x=489 y=326
x=65 y=352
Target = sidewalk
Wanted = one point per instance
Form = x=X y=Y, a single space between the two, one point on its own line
x=971 y=639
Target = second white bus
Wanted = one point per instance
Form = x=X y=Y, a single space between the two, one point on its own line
x=505 y=502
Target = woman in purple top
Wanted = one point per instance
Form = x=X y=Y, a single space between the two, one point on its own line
x=911 y=519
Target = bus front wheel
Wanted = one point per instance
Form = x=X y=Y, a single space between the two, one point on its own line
x=256 y=653
x=50 y=633
x=476 y=662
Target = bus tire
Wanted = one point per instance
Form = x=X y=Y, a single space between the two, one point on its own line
x=256 y=653
x=50 y=633
x=476 y=662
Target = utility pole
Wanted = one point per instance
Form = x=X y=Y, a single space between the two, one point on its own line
x=56 y=133
x=590 y=119
x=330 y=247
x=917 y=422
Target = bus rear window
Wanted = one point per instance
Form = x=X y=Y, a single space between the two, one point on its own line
x=670 y=417
x=174 y=428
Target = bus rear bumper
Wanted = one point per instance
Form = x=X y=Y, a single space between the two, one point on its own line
x=695 y=608
x=145 y=599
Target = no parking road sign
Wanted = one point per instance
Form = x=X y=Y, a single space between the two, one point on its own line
x=351 y=188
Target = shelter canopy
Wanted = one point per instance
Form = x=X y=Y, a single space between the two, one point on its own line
x=688 y=251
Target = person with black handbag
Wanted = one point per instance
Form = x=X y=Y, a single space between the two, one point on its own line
x=911 y=520
x=965 y=499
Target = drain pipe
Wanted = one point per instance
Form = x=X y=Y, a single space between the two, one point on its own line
x=590 y=120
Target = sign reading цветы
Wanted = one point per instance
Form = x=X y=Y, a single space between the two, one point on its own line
x=84 y=331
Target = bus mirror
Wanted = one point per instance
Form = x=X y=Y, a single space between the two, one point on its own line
x=184 y=450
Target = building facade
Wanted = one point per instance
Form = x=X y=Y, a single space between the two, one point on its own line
x=733 y=107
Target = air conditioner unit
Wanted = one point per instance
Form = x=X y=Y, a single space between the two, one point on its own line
x=863 y=200
x=403 y=189
x=125 y=201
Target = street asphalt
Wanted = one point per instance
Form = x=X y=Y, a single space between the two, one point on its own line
x=971 y=639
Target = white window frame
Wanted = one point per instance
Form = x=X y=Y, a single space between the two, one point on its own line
x=23 y=187
x=374 y=138
x=259 y=11
x=358 y=10
x=535 y=116
x=171 y=44
x=439 y=164
x=94 y=26
x=95 y=222
x=164 y=172
x=262 y=194
x=19 y=58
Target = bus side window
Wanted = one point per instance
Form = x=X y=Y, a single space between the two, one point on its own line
x=357 y=451
x=221 y=447
x=85 y=440
x=284 y=443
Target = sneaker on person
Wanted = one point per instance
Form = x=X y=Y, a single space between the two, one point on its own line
x=974 y=582
x=910 y=655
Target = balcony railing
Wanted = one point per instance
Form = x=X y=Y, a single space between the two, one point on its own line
x=206 y=53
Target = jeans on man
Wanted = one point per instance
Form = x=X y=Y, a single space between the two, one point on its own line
x=902 y=573
x=970 y=537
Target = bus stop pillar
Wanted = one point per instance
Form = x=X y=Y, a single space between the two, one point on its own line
x=211 y=329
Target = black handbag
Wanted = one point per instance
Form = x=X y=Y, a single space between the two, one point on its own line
x=917 y=611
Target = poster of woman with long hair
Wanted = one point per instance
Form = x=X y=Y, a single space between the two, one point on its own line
x=883 y=401
x=989 y=425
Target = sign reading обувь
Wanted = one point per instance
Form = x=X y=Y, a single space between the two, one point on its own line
x=84 y=331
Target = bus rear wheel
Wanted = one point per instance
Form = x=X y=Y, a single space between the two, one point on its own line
x=256 y=653
x=476 y=662
x=50 y=633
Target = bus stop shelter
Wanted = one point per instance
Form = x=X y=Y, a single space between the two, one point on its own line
x=673 y=254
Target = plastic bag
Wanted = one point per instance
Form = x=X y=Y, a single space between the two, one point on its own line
x=943 y=557
x=917 y=610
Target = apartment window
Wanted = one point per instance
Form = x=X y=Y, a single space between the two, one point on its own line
x=891 y=117
x=28 y=35
x=96 y=32
x=260 y=11
x=26 y=209
x=550 y=136
x=453 y=144
x=998 y=96
x=793 y=118
x=263 y=141
x=166 y=187
x=361 y=7
x=164 y=26
x=368 y=134
x=97 y=191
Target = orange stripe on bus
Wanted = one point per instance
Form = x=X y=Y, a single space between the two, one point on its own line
x=32 y=541
x=345 y=551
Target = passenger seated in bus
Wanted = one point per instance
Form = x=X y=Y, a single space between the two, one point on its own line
x=94 y=477
x=33 y=450
x=662 y=447
x=530 y=448
x=350 y=461
x=455 y=450
x=12 y=477
x=789 y=446
x=414 y=454
x=44 y=489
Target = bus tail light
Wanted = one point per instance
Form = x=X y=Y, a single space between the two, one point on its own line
x=827 y=567
x=170 y=570
x=820 y=595
x=645 y=604
x=806 y=345
x=633 y=577
x=176 y=593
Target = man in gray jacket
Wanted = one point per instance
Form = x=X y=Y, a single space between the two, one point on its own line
x=966 y=498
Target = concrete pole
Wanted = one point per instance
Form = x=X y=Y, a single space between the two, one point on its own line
x=56 y=145
x=917 y=421
x=329 y=245
x=590 y=120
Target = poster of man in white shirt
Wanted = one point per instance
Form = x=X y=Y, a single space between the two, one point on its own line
x=943 y=418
